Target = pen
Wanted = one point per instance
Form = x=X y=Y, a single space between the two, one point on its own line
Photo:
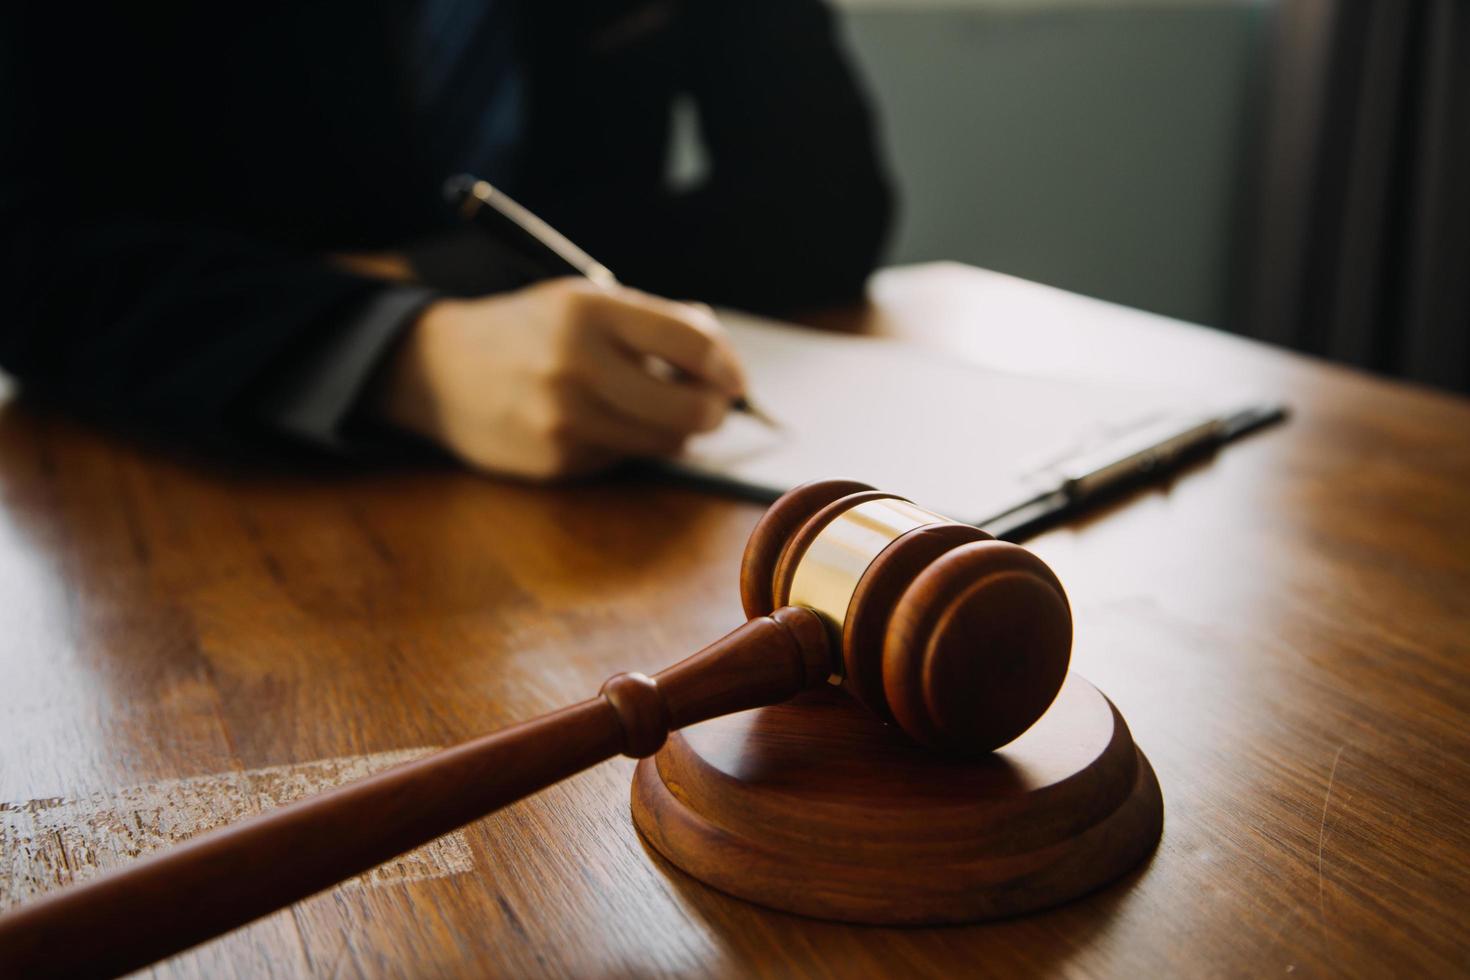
x=511 y=223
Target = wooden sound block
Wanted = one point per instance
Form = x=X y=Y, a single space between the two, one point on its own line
x=816 y=807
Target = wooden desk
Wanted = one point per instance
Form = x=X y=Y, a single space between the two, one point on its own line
x=1286 y=628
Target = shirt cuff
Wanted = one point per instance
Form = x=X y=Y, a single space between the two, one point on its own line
x=315 y=395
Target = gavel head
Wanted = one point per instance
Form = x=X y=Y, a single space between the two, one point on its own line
x=961 y=640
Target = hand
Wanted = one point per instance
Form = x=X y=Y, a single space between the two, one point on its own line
x=561 y=378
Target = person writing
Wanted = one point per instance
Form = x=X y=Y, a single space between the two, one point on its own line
x=223 y=223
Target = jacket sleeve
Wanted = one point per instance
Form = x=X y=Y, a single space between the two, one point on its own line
x=160 y=259
x=180 y=329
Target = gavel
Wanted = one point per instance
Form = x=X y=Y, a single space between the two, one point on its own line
x=959 y=640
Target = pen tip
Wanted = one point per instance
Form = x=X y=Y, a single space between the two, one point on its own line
x=744 y=405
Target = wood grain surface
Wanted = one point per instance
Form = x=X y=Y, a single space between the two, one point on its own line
x=212 y=883
x=1285 y=627
x=817 y=807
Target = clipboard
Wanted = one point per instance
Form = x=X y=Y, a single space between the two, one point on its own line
x=1001 y=450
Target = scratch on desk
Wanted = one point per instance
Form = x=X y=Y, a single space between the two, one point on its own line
x=1322 y=832
x=47 y=843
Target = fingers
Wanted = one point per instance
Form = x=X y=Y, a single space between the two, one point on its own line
x=622 y=380
x=583 y=419
x=685 y=335
x=553 y=381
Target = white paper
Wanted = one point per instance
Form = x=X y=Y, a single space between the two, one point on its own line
x=963 y=440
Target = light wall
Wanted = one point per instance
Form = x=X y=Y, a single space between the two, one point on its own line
x=1097 y=146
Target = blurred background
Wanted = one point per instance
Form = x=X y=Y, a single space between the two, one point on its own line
x=1096 y=146
x=1289 y=170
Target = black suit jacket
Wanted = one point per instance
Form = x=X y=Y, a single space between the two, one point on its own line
x=173 y=176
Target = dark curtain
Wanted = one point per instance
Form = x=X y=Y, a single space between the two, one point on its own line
x=1359 y=249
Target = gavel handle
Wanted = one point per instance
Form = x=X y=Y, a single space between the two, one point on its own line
x=218 y=881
